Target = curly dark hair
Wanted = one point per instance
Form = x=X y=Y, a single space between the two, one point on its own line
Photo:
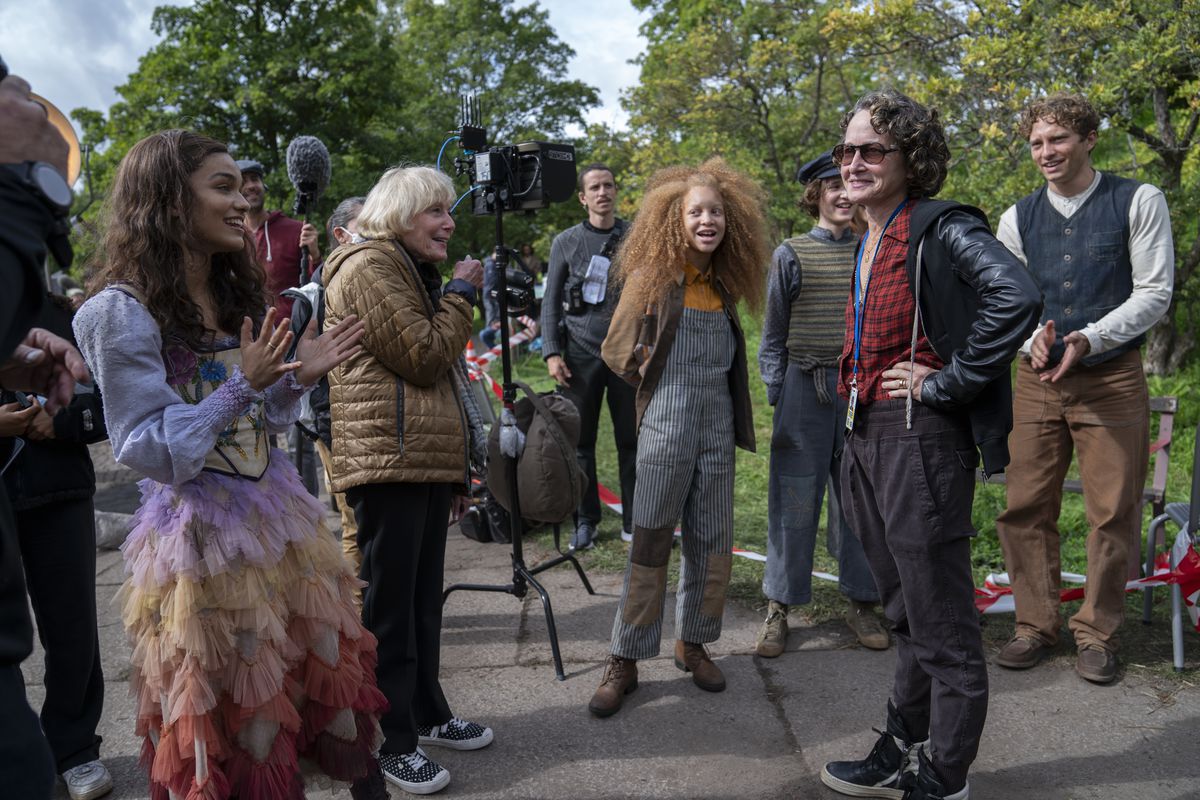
x=1069 y=110
x=148 y=233
x=916 y=130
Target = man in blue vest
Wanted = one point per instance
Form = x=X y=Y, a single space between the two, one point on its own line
x=1101 y=250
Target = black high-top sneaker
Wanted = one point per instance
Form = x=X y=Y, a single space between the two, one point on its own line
x=929 y=784
x=889 y=770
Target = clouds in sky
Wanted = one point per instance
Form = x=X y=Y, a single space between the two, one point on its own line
x=76 y=52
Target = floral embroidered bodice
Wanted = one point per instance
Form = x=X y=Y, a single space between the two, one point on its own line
x=243 y=448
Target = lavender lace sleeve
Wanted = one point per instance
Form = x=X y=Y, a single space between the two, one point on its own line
x=283 y=403
x=152 y=430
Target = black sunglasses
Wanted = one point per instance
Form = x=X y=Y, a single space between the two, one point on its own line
x=872 y=153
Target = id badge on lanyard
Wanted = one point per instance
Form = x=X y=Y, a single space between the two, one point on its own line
x=850 y=406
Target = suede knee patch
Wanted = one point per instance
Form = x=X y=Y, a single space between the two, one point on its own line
x=716 y=582
x=643 y=603
x=652 y=548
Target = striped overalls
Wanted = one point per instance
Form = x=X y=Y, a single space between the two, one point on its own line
x=685 y=468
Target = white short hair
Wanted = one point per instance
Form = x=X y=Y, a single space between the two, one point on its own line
x=401 y=194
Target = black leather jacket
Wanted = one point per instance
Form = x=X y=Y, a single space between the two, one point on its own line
x=978 y=305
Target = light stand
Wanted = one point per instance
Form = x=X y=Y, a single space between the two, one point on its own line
x=522 y=577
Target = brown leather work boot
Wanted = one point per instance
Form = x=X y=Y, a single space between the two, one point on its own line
x=693 y=658
x=620 y=678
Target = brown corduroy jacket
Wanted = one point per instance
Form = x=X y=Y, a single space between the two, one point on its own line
x=639 y=341
x=396 y=414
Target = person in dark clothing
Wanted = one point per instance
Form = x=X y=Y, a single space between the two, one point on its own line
x=582 y=291
x=50 y=482
x=938 y=310
x=39 y=361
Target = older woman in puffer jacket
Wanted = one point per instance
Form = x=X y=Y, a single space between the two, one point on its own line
x=400 y=448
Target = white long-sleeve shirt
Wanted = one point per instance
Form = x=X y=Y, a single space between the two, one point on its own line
x=1151 y=256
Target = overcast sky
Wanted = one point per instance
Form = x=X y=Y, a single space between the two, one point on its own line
x=76 y=52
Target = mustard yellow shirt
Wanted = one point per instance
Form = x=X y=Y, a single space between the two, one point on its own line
x=698 y=290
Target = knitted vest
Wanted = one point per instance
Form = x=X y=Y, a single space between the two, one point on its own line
x=817 y=323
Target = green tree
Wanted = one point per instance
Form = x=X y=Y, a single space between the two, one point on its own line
x=378 y=83
x=514 y=61
x=752 y=80
x=257 y=73
x=1138 y=61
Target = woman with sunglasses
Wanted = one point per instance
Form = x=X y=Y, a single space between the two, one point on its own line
x=937 y=311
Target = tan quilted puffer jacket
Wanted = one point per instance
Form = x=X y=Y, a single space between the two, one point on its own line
x=397 y=417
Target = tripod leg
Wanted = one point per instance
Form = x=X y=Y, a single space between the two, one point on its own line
x=582 y=575
x=558 y=665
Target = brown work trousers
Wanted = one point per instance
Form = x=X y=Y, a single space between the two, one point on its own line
x=1103 y=413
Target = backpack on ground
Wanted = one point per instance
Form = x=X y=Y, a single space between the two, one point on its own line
x=549 y=481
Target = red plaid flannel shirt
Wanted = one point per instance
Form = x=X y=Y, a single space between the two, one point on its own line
x=887 y=318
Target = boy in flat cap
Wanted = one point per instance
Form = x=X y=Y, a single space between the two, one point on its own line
x=801 y=342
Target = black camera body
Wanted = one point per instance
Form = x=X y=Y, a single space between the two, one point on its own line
x=520 y=290
x=518 y=177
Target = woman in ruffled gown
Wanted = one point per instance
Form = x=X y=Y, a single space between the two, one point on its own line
x=247 y=648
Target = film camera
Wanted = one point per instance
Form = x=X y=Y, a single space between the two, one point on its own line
x=517 y=177
x=519 y=284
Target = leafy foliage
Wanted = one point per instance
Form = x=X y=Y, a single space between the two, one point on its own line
x=378 y=83
x=765 y=83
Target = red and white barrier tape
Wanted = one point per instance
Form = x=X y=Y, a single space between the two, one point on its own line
x=996 y=595
x=477 y=364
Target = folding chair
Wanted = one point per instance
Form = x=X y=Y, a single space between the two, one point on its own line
x=1187 y=517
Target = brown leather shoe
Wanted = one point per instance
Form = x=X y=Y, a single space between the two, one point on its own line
x=866 y=626
x=620 y=678
x=694 y=658
x=1096 y=664
x=1022 y=652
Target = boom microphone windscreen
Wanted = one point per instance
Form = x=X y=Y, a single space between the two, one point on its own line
x=308 y=165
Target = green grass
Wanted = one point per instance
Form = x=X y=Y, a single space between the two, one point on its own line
x=1148 y=645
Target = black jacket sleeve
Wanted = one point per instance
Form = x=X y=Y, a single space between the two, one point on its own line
x=1009 y=304
x=82 y=421
x=24 y=225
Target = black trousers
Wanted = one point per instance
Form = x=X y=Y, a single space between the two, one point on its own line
x=402 y=538
x=908 y=498
x=58 y=549
x=590 y=379
x=26 y=766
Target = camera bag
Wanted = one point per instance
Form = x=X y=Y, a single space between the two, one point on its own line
x=549 y=481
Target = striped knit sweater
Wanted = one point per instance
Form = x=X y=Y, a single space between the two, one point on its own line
x=816 y=325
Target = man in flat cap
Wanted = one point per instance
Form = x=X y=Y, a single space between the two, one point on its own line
x=802 y=336
x=277 y=238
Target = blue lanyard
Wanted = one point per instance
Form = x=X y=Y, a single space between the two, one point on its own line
x=860 y=292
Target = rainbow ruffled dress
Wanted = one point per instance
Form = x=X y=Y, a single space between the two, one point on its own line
x=248 y=650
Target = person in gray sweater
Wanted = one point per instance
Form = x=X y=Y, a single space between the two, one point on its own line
x=581 y=294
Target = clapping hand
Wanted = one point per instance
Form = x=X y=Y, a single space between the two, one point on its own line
x=319 y=354
x=1076 y=347
x=262 y=357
